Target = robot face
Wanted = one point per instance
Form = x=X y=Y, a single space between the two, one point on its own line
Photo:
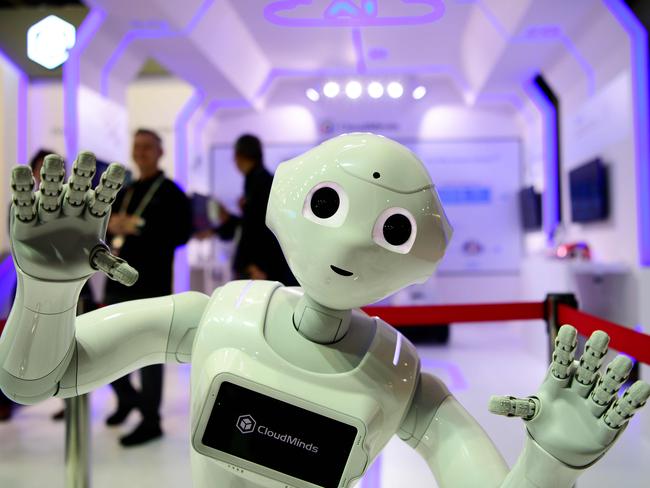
x=357 y=218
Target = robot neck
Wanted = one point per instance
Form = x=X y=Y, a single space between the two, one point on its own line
x=319 y=323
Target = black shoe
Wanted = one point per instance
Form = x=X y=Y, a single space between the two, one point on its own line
x=60 y=415
x=119 y=416
x=142 y=434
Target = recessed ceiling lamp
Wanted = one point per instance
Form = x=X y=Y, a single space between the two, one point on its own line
x=312 y=94
x=353 y=90
x=375 y=89
x=331 y=89
x=419 y=92
x=395 y=89
x=49 y=41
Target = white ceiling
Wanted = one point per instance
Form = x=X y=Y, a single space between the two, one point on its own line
x=230 y=49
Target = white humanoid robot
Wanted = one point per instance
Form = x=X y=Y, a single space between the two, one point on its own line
x=295 y=387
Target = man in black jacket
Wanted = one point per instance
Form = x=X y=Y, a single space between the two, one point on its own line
x=258 y=255
x=150 y=218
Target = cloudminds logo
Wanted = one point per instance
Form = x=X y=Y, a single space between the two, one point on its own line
x=246 y=424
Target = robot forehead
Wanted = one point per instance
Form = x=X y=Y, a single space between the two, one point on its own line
x=376 y=160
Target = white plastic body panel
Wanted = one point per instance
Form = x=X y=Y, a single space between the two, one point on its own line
x=231 y=340
x=43 y=326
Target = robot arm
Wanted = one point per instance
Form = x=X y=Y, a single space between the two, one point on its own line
x=575 y=417
x=456 y=448
x=56 y=240
x=113 y=341
x=571 y=422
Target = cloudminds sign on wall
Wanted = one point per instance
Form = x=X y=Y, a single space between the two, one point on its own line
x=330 y=127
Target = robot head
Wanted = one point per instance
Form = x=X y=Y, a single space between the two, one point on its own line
x=357 y=218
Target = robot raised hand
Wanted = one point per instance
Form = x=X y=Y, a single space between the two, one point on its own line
x=57 y=232
x=576 y=415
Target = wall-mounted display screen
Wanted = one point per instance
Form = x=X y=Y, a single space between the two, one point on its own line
x=589 y=192
x=530 y=207
x=205 y=212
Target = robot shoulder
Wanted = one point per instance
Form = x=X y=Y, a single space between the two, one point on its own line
x=396 y=348
x=242 y=295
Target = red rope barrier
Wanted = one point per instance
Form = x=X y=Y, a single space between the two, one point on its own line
x=623 y=339
x=445 y=314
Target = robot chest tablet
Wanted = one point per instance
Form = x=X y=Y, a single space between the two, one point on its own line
x=279 y=436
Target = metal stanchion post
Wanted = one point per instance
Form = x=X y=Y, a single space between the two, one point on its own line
x=77 y=442
x=77 y=434
x=553 y=300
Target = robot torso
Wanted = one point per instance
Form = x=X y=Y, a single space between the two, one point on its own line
x=271 y=408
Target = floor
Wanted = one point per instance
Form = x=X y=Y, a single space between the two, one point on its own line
x=480 y=360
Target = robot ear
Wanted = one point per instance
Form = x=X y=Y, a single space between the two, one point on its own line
x=435 y=232
x=445 y=225
x=447 y=229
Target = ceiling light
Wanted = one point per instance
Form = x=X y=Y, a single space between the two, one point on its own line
x=331 y=89
x=49 y=41
x=419 y=92
x=312 y=94
x=395 y=89
x=375 y=89
x=353 y=90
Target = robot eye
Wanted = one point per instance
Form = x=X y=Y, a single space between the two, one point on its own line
x=326 y=204
x=395 y=230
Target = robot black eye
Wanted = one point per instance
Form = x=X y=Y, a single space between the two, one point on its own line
x=397 y=229
x=325 y=202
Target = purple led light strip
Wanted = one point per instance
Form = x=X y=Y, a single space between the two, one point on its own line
x=509 y=98
x=180 y=131
x=162 y=31
x=357 y=42
x=209 y=111
x=181 y=265
x=553 y=33
x=493 y=19
x=343 y=13
x=85 y=33
x=7 y=279
x=639 y=54
x=372 y=478
x=21 y=110
x=550 y=197
x=550 y=33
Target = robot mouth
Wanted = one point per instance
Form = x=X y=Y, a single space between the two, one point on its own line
x=340 y=271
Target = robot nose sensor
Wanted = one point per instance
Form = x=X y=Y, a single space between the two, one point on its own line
x=340 y=271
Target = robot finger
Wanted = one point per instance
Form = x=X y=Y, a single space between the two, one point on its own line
x=587 y=373
x=513 y=407
x=623 y=408
x=24 y=199
x=52 y=175
x=104 y=195
x=565 y=348
x=609 y=384
x=83 y=171
x=115 y=268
